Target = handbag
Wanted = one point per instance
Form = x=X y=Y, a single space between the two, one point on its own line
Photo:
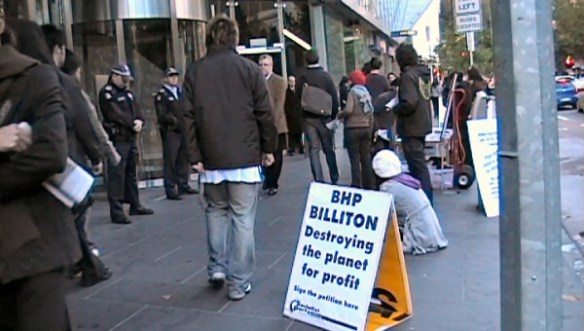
x=316 y=101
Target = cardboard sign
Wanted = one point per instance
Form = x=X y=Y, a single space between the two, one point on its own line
x=484 y=147
x=337 y=258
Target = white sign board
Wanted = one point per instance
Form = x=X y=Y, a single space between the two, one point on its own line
x=469 y=23
x=337 y=257
x=484 y=146
x=467 y=6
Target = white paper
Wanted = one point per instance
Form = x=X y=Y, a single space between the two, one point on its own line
x=71 y=186
x=332 y=125
x=392 y=103
x=484 y=146
x=327 y=289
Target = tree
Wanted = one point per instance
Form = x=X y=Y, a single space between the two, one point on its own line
x=453 y=50
x=569 y=36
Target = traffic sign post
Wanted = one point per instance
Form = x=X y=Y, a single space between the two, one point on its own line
x=469 y=18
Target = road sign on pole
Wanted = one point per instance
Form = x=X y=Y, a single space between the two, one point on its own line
x=469 y=16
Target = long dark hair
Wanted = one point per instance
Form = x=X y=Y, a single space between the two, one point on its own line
x=406 y=56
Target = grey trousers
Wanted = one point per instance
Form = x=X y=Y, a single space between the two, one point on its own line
x=230 y=214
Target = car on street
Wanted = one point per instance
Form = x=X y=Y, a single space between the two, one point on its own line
x=567 y=91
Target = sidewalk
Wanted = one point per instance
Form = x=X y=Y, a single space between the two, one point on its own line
x=160 y=280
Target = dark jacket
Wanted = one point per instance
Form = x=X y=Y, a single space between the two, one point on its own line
x=37 y=232
x=119 y=109
x=383 y=118
x=228 y=115
x=293 y=112
x=376 y=85
x=317 y=77
x=168 y=110
x=83 y=140
x=414 y=115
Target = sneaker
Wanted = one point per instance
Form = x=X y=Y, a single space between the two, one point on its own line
x=217 y=280
x=236 y=294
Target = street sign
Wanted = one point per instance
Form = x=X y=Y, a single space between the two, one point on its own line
x=469 y=23
x=404 y=33
x=467 y=6
x=469 y=16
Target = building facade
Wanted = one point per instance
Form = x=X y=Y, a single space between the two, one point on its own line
x=151 y=35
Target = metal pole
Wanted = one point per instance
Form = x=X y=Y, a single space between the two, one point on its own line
x=231 y=4
x=176 y=49
x=529 y=228
x=471 y=55
x=280 y=10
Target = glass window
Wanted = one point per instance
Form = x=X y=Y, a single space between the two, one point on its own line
x=191 y=36
x=96 y=43
x=297 y=21
x=257 y=19
x=148 y=47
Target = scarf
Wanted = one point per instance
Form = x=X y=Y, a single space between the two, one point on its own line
x=364 y=98
x=408 y=181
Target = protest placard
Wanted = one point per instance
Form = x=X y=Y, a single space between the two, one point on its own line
x=337 y=259
x=484 y=147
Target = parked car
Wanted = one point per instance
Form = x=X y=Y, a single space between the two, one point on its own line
x=567 y=92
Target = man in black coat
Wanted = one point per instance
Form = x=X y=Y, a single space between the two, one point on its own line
x=293 y=118
x=231 y=134
x=37 y=233
x=123 y=121
x=318 y=135
x=414 y=113
x=169 y=113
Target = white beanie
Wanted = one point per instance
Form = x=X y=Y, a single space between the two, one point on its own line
x=386 y=164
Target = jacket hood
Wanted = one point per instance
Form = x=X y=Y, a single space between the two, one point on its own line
x=30 y=40
x=12 y=62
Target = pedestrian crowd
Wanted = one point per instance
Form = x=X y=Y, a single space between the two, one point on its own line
x=233 y=130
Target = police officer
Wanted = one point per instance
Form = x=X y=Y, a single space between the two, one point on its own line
x=169 y=112
x=123 y=121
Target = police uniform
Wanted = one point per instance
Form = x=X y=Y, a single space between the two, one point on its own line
x=169 y=113
x=119 y=110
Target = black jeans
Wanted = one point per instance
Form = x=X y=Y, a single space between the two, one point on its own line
x=295 y=142
x=358 y=143
x=122 y=184
x=320 y=137
x=436 y=106
x=414 y=153
x=274 y=171
x=91 y=265
x=35 y=303
x=176 y=165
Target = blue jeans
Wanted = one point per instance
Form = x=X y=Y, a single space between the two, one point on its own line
x=320 y=137
x=230 y=214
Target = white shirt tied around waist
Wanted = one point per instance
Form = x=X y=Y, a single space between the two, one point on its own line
x=249 y=175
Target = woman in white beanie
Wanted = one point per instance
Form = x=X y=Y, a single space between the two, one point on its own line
x=420 y=227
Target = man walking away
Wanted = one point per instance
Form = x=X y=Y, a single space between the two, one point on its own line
x=168 y=103
x=123 y=121
x=230 y=134
x=277 y=90
x=315 y=129
x=414 y=119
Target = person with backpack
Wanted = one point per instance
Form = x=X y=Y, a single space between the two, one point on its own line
x=320 y=104
x=358 y=118
x=38 y=239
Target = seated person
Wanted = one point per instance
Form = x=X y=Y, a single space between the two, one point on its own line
x=417 y=220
